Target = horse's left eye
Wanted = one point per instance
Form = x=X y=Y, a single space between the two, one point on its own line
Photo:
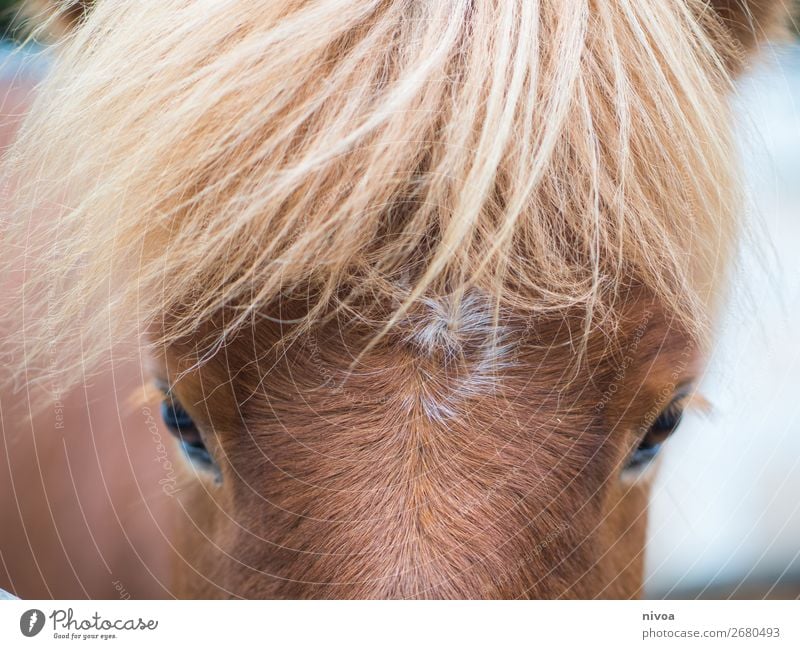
x=181 y=425
x=662 y=427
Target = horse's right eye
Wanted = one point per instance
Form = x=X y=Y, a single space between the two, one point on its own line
x=181 y=425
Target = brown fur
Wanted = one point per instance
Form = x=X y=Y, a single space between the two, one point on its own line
x=351 y=487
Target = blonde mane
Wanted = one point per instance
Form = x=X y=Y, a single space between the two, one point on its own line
x=198 y=162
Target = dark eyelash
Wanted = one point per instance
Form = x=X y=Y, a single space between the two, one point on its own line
x=669 y=418
x=175 y=417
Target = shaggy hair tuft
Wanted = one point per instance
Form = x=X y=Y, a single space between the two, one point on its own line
x=365 y=156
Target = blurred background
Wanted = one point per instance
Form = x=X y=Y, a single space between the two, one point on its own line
x=725 y=516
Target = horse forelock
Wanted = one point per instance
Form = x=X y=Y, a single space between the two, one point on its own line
x=545 y=154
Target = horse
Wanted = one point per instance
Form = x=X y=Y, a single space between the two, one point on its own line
x=421 y=288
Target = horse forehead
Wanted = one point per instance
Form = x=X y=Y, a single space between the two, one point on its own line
x=447 y=358
x=445 y=362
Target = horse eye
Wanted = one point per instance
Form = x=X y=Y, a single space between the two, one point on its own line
x=181 y=425
x=662 y=427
